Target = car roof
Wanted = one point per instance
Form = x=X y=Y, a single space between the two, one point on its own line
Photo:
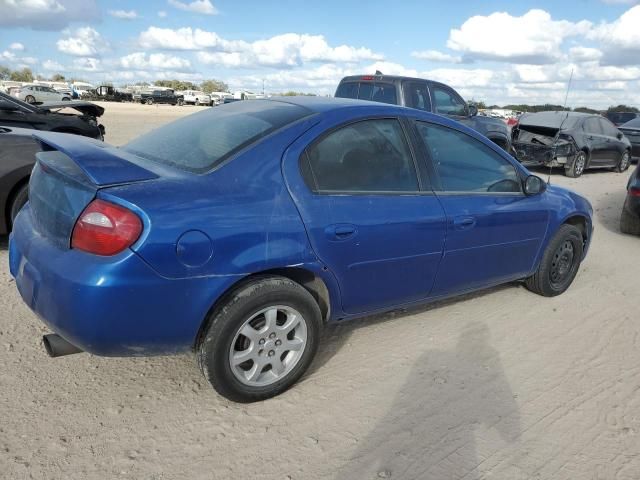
x=386 y=78
x=552 y=118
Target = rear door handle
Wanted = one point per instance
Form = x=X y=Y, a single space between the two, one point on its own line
x=341 y=231
x=464 y=223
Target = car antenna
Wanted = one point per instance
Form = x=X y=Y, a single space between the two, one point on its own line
x=564 y=107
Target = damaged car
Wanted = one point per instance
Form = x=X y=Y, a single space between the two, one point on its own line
x=52 y=116
x=571 y=140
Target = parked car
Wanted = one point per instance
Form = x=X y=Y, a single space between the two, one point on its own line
x=15 y=113
x=424 y=95
x=107 y=93
x=18 y=150
x=195 y=97
x=272 y=217
x=631 y=130
x=571 y=140
x=618 y=118
x=40 y=94
x=167 y=97
x=630 y=217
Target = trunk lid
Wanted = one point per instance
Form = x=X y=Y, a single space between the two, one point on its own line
x=68 y=173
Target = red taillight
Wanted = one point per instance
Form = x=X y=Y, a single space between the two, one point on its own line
x=634 y=192
x=368 y=77
x=105 y=229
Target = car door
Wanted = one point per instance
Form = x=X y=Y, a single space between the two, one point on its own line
x=596 y=141
x=494 y=231
x=370 y=218
x=613 y=146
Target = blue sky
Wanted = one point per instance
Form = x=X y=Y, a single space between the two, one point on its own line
x=497 y=51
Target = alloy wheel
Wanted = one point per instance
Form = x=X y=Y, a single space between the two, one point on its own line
x=624 y=162
x=268 y=346
x=578 y=166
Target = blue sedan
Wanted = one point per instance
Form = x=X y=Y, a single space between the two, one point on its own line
x=239 y=231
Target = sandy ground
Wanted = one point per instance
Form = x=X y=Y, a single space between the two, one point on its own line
x=502 y=385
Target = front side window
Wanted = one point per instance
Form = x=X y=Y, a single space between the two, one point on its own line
x=447 y=103
x=367 y=156
x=464 y=164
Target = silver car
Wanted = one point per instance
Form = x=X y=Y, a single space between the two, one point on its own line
x=39 y=94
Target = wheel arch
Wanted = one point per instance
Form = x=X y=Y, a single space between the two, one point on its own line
x=306 y=278
x=10 y=199
x=581 y=223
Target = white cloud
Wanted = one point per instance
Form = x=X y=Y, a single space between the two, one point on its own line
x=162 y=14
x=46 y=14
x=51 y=65
x=436 y=56
x=620 y=39
x=154 y=61
x=531 y=38
x=8 y=56
x=185 y=39
x=16 y=46
x=84 y=42
x=584 y=54
x=197 y=6
x=87 y=64
x=124 y=14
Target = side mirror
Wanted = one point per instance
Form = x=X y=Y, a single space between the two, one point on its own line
x=620 y=135
x=473 y=110
x=534 y=185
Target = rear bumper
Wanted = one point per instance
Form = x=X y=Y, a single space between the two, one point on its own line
x=112 y=306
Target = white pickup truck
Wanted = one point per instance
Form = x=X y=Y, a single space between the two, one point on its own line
x=195 y=97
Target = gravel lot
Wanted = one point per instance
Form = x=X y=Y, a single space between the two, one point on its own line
x=503 y=385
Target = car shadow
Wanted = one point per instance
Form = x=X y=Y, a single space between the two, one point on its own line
x=4 y=242
x=337 y=334
x=455 y=409
x=609 y=209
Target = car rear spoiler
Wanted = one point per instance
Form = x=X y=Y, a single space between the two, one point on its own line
x=102 y=164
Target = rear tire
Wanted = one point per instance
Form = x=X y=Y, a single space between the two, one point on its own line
x=629 y=223
x=624 y=163
x=150 y=101
x=559 y=264
x=273 y=358
x=19 y=200
x=30 y=99
x=578 y=166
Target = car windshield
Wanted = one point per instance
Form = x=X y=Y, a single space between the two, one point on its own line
x=635 y=123
x=199 y=142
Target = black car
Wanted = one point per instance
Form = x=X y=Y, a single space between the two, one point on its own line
x=630 y=218
x=159 y=96
x=631 y=130
x=17 y=157
x=425 y=95
x=51 y=116
x=107 y=93
x=572 y=140
x=619 y=118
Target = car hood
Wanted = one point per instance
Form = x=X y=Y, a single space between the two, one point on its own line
x=86 y=108
x=487 y=124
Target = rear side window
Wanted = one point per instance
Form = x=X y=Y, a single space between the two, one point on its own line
x=592 y=125
x=464 y=164
x=367 y=156
x=201 y=141
x=608 y=128
x=416 y=95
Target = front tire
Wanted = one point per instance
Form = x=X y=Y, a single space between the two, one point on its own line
x=150 y=101
x=578 y=166
x=559 y=264
x=261 y=340
x=623 y=164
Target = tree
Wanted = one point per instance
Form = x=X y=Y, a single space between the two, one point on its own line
x=585 y=110
x=24 y=75
x=622 y=108
x=5 y=73
x=58 y=78
x=213 y=85
x=176 y=84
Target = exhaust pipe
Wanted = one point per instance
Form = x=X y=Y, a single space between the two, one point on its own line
x=56 y=346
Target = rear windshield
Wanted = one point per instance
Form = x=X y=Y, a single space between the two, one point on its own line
x=201 y=141
x=621 y=117
x=377 y=92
